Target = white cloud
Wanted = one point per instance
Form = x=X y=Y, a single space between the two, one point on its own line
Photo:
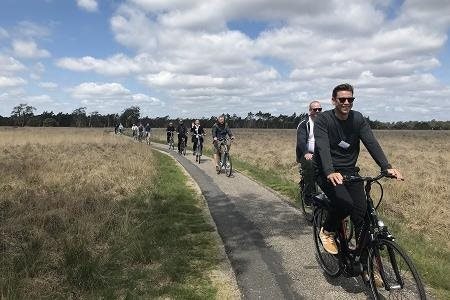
x=29 y=29
x=99 y=90
x=186 y=52
x=8 y=82
x=48 y=85
x=88 y=5
x=3 y=33
x=118 y=64
x=9 y=64
x=109 y=97
x=28 y=49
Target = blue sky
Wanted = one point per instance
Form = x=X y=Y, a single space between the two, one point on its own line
x=201 y=58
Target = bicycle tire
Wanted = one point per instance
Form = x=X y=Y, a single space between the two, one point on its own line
x=307 y=210
x=228 y=165
x=392 y=263
x=329 y=263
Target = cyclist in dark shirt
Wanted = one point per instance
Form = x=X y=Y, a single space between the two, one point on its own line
x=197 y=129
x=182 y=133
x=170 y=131
x=141 y=131
x=338 y=133
x=220 y=131
x=147 y=129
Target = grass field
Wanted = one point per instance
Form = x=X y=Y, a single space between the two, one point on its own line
x=418 y=209
x=86 y=214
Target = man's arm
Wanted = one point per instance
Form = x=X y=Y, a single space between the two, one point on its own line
x=230 y=134
x=302 y=139
x=323 y=144
x=372 y=145
x=214 y=132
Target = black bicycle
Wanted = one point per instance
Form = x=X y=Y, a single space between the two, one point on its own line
x=383 y=265
x=199 y=148
x=171 y=143
x=182 y=149
x=224 y=157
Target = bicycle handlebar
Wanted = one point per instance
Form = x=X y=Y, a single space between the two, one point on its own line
x=353 y=178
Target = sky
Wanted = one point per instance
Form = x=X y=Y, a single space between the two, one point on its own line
x=194 y=58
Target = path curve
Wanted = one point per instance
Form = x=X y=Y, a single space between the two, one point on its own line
x=268 y=242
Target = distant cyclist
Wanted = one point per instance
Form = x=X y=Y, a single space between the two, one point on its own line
x=147 y=131
x=134 y=130
x=197 y=130
x=140 y=131
x=170 y=131
x=305 y=149
x=182 y=133
x=220 y=132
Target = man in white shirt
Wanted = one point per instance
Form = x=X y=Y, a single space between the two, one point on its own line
x=305 y=148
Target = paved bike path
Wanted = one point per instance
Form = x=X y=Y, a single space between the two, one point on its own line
x=269 y=244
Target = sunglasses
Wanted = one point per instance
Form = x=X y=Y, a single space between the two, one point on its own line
x=317 y=109
x=343 y=99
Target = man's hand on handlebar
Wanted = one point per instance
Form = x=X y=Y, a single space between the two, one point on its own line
x=395 y=173
x=308 y=156
x=335 y=178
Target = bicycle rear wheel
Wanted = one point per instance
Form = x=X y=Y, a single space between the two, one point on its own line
x=307 y=208
x=399 y=277
x=228 y=165
x=329 y=262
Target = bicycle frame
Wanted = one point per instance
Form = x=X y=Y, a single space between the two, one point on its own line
x=372 y=231
x=199 y=144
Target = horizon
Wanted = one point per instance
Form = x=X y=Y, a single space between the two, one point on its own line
x=201 y=58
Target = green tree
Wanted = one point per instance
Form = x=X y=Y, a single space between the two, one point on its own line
x=22 y=113
x=79 y=116
x=130 y=116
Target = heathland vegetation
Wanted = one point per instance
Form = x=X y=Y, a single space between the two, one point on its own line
x=86 y=214
x=418 y=209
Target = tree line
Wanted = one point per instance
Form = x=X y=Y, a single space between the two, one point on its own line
x=23 y=115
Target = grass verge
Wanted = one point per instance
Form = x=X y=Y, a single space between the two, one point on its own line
x=85 y=220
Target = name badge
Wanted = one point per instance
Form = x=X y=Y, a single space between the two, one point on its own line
x=343 y=144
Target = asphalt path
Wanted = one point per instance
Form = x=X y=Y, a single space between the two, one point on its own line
x=268 y=242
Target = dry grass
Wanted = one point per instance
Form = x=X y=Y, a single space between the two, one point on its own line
x=421 y=202
x=87 y=214
x=60 y=187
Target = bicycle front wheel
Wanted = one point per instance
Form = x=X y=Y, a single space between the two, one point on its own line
x=228 y=165
x=328 y=262
x=392 y=274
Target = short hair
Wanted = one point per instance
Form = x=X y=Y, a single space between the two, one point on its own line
x=315 y=101
x=342 y=87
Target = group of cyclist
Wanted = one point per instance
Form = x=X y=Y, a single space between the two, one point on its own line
x=221 y=133
x=140 y=131
x=328 y=145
